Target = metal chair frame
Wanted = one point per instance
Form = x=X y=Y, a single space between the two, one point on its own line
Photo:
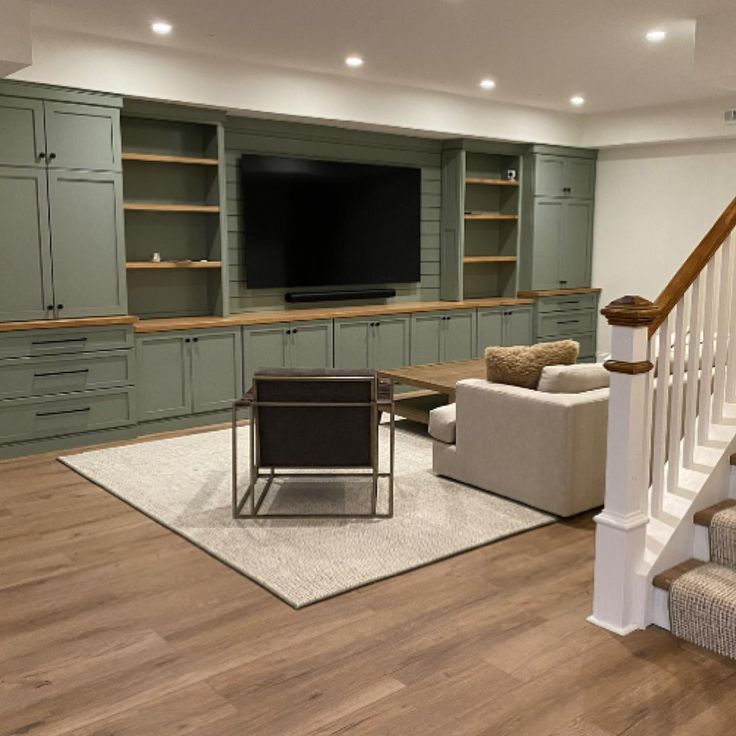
x=255 y=499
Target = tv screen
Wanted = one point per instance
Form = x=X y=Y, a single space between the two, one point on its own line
x=321 y=223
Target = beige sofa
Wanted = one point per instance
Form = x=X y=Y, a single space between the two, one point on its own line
x=547 y=450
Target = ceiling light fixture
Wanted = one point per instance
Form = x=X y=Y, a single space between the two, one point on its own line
x=354 y=61
x=577 y=100
x=487 y=84
x=656 y=36
x=161 y=27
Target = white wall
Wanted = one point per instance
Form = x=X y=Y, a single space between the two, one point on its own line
x=653 y=206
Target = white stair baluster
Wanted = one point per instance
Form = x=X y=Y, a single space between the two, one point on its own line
x=676 y=400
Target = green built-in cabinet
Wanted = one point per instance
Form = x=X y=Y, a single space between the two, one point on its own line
x=183 y=373
x=437 y=337
x=380 y=343
x=557 y=218
x=62 y=250
x=287 y=345
x=504 y=326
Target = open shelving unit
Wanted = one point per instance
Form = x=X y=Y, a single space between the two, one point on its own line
x=481 y=206
x=173 y=180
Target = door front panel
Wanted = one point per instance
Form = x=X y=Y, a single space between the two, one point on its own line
x=264 y=347
x=353 y=343
x=22 y=142
x=459 y=333
x=311 y=344
x=391 y=343
x=217 y=376
x=490 y=329
x=163 y=376
x=426 y=338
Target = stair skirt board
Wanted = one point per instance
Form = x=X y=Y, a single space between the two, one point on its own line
x=703 y=608
x=723 y=538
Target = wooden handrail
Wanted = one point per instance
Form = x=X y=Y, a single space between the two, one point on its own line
x=635 y=310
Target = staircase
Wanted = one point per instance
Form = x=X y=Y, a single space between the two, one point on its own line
x=666 y=537
x=696 y=599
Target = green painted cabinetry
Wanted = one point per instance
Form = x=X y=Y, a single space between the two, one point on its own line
x=437 y=337
x=183 y=373
x=379 y=343
x=61 y=216
x=503 y=326
x=286 y=345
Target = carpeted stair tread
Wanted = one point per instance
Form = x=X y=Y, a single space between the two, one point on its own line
x=722 y=533
x=704 y=517
x=665 y=579
x=703 y=607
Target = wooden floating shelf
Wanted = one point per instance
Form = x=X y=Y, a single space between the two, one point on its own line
x=151 y=265
x=152 y=207
x=490 y=259
x=492 y=182
x=490 y=216
x=161 y=158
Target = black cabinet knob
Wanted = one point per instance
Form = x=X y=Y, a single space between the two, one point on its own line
x=52 y=156
x=187 y=339
x=49 y=307
x=294 y=331
x=195 y=339
x=42 y=155
x=60 y=306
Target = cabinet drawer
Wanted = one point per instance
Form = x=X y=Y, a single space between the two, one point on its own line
x=587 y=345
x=26 y=419
x=20 y=377
x=566 y=323
x=28 y=343
x=565 y=303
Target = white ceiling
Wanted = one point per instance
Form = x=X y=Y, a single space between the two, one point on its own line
x=540 y=52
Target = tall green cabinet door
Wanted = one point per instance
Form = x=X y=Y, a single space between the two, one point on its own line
x=518 y=326
x=83 y=136
x=426 y=337
x=353 y=343
x=25 y=255
x=459 y=335
x=577 y=239
x=549 y=176
x=87 y=243
x=163 y=375
x=22 y=139
x=490 y=329
x=264 y=347
x=391 y=343
x=311 y=344
x=548 y=222
x=217 y=369
x=580 y=177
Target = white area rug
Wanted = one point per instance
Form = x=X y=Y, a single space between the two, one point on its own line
x=184 y=483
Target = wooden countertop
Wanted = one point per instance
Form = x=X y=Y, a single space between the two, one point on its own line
x=559 y=292
x=303 y=315
x=54 y=324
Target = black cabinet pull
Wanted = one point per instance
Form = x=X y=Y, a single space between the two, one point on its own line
x=563 y=282
x=42 y=155
x=65 y=411
x=187 y=339
x=568 y=322
x=52 y=156
x=60 y=373
x=60 y=306
x=294 y=331
x=59 y=342
x=49 y=307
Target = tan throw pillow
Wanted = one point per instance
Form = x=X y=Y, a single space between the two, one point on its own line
x=573 y=379
x=522 y=365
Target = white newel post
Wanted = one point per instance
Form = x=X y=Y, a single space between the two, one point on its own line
x=621 y=526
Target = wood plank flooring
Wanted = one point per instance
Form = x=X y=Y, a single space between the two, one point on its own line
x=111 y=625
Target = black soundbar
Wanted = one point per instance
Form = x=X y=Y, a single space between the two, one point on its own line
x=299 y=297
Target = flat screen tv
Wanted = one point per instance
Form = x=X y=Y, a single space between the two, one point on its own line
x=321 y=223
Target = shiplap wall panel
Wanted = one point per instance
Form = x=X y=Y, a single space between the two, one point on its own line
x=334 y=144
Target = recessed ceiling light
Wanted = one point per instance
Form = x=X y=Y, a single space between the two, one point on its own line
x=656 y=36
x=487 y=84
x=577 y=100
x=354 y=61
x=161 y=27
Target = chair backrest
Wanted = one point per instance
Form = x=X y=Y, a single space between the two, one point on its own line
x=315 y=418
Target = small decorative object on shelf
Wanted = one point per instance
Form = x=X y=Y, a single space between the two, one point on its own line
x=511 y=174
x=156 y=258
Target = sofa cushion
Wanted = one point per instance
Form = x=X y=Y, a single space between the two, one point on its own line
x=522 y=365
x=442 y=423
x=573 y=379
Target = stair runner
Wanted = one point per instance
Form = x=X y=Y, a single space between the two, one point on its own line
x=702 y=597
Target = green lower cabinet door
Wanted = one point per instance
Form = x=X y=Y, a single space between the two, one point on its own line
x=459 y=335
x=426 y=337
x=87 y=243
x=353 y=340
x=391 y=343
x=264 y=347
x=217 y=369
x=518 y=326
x=311 y=344
x=575 y=254
x=490 y=329
x=163 y=376
x=25 y=252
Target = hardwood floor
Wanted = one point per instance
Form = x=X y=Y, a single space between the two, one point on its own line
x=111 y=625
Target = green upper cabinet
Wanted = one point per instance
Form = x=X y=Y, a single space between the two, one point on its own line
x=22 y=142
x=381 y=343
x=26 y=292
x=437 y=337
x=87 y=243
x=82 y=136
x=217 y=375
x=564 y=176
